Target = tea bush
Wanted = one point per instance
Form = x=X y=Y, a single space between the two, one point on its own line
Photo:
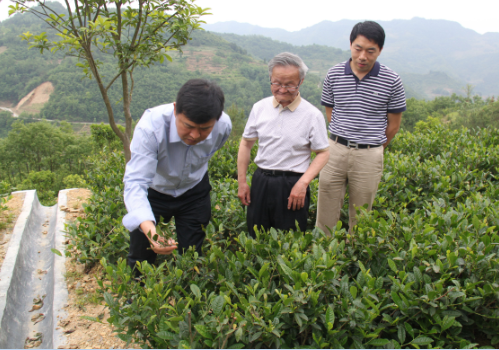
x=420 y=270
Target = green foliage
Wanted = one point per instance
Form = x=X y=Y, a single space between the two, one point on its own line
x=74 y=181
x=44 y=183
x=44 y=149
x=5 y=190
x=100 y=233
x=420 y=270
x=295 y=290
x=103 y=136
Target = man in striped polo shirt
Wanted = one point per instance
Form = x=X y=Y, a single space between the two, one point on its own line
x=364 y=102
x=288 y=129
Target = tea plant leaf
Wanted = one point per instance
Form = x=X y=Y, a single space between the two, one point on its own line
x=422 y=340
x=379 y=342
x=165 y=335
x=329 y=317
x=255 y=336
x=218 y=304
x=90 y=318
x=55 y=251
x=285 y=267
x=239 y=334
x=401 y=333
x=184 y=344
x=304 y=276
x=236 y=346
x=392 y=265
x=203 y=330
x=353 y=291
x=196 y=291
x=447 y=322
x=409 y=329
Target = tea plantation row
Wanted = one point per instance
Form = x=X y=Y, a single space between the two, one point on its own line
x=420 y=270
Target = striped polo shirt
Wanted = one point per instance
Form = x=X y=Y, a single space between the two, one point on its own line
x=360 y=107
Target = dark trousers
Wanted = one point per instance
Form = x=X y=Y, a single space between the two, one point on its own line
x=192 y=212
x=269 y=203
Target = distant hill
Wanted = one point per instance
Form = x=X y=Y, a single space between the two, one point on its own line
x=415 y=46
x=320 y=58
x=243 y=78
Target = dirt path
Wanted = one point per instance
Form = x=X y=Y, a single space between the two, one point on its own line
x=84 y=300
x=8 y=220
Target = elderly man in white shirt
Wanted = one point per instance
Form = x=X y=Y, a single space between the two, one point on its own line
x=288 y=129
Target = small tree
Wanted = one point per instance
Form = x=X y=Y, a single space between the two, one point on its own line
x=135 y=36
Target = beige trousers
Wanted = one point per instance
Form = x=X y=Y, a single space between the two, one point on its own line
x=361 y=169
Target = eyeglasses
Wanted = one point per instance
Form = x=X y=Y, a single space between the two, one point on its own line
x=280 y=86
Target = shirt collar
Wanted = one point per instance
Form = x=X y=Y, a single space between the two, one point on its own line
x=175 y=137
x=372 y=73
x=292 y=106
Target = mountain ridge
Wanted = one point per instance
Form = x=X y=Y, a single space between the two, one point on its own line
x=415 y=46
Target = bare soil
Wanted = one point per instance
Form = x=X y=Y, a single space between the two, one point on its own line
x=34 y=101
x=8 y=219
x=84 y=300
x=203 y=61
x=3 y=49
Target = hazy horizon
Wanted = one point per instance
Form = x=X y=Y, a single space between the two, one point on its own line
x=290 y=15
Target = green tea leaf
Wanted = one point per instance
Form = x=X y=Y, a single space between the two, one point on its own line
x=203 y=330
x=422 y=340
x=379 y=342
x=55 y=251
x=304 y=276
x=392 y=265
x=447 y=322
x=409 y=329
x=329 y=316
x=401 y=333
x=218 y=304
x=196 y=291
x=255 y=336
x=353 y=291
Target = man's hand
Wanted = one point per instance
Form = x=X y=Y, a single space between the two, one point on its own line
x=159 y=247
x=243 y=193
x=296 y=199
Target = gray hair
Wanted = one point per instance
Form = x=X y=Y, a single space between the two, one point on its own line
x=288 y=59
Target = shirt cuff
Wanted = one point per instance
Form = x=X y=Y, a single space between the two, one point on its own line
x=397 y=110
x=321 y=150
x=325 y=104
x=132 y=220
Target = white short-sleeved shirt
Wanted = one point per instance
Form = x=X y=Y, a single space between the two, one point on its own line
x=286 y=136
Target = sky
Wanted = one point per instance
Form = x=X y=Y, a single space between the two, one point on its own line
x=293 y=15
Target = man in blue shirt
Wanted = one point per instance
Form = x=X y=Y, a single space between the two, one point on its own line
x=167 y=174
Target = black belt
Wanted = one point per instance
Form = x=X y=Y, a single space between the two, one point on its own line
x=279 y=172
x=349 y=144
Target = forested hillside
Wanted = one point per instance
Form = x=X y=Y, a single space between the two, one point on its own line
x=243 y=78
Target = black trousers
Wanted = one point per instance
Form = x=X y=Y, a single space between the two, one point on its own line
x=192 y=212
x=269 y=203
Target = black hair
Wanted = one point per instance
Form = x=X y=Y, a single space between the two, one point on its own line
x=371 y=30
x=200 y=100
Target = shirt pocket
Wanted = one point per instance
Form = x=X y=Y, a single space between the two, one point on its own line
x=200 y=160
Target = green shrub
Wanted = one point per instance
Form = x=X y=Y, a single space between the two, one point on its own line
x=100 y=233
x=420 y=270
x=397 y=283
x=74 y=181
x=44 y=182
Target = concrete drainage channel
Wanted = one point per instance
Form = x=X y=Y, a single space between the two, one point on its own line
x=32 y=278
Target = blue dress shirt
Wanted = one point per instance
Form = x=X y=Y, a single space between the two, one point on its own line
x=162 y=161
